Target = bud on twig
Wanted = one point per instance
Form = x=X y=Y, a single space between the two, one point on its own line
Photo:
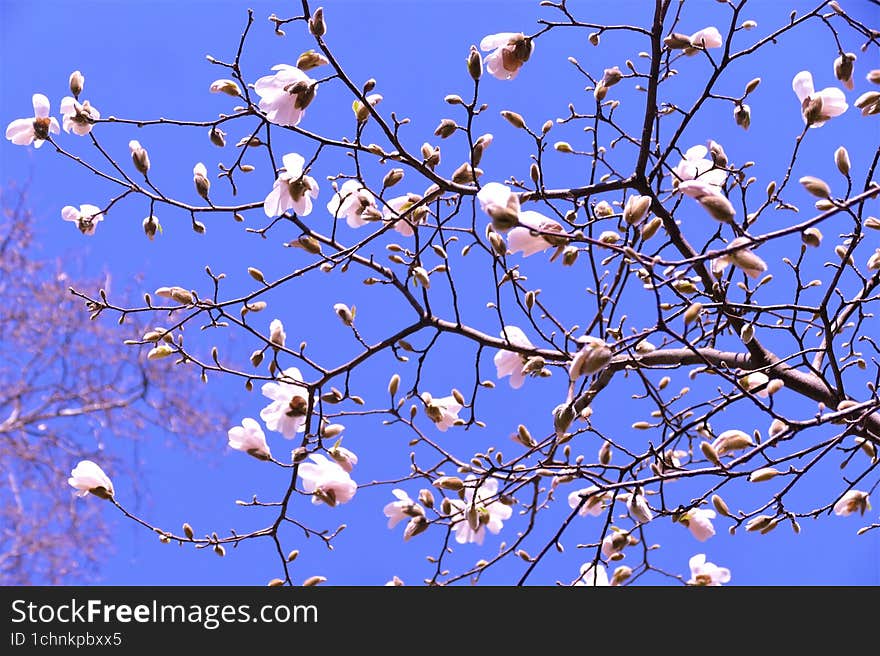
x=76 y=83
x=317 y=26
x=475 y=64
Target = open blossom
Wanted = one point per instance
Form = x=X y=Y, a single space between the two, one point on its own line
x=708 y=37
x=27 y=131
x=696 y=166
x=510 y=50
x=501 y=204
x=78 y=117
x=249 y=438
x=525 y=237
x=442 y=411
x=699 y=522
x=817 y=107
x=285 y=95
x=326 y=481
x=703 y=573
x=743 y=259
x=402 y=509
x=594 y=504
x=292 y=189
x=287 y=412
x=511 y=363
x=88 y=477
x=397 y=207
x=593 y=575
x=86 y=217
x=852 y=501
x=353 y=202
x=479 y=510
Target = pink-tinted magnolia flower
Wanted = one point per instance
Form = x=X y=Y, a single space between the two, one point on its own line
x=699 y=522
x=696 y=166
x=501 y=204
x=27 y=131
x=478 y=511
x=526 y=239
x=817 y=107
x=852 y=501
x=352 y=201
x=250 y=439
x=78 y=117
x=326 y=481
x=402 y=509
x=510 y=50
x=594 y=504
x=397 y=207
x=292 y=189
x=708 y=37
x=287 y=412
x=345 y=458
x=510 y=363
x=442 y=411
x=703 y=573
x=88 y=477
x=285 y=95
x=593 y=576
x=86 y=217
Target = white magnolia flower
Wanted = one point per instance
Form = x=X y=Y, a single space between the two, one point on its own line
x=402 y=509
x=86 y=217
x=396 y=207
x=352 y=201
x=292 y=189
x=285 y=95
x=817 y=107
x=703 y=573
x=287 y=412
x=442 y=411
x=852 y=501
x=696 y=166
x=326 y=481
x=510 y=50
x=88 y=477
x=595 y=576
x=754 y=380
x=699 y=522
x=594 y=504
x=523 y=239
x=250 y=438
x=638 y=508
x=276 y=333
x=510 y=363
x=708 y=37
x=478 y=511
x=27 y=131
x=78 y=117
x=501 y=204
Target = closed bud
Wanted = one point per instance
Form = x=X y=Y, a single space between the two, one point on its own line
x=188 y=531
x=815 y=186
x=651 y=227
x=612 y=76
x=636 y=209
x=514 y=119
x=719 y=157
x=718 y=207
x=317 y=26
x=869 y=103
x=76 y=83
x=621 y=574
x=345 y=314
x=763 y=474
x=752 y=85
x=605 y=453
x=313 y=580
x=535 y=172
x=446 y=128
x=563 y=147
x=466 y=174
x=758 y=523
x=677 y=41
x=841 y=159
x=811 y=237
x=873 y=263
x=710 y=453
x=229 y=87
x=742 y=114
x=139 y=156
x=452 y=483
x=311 y=59
x=843 y=69
x=692 y=313
x=570 y=255
x=256 y=274
x=600 y=92
x=256 y=358
x=151 y=226
x=392 y=178
x=747 y=333
x=393 y=384
x=475 y=64
x=872 y=222
x=200 y=179
x=593 y=38
x=720 y=506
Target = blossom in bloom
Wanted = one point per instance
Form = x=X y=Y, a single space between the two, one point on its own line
x=326 y=481
x=27 y=131
x=593 y=575
x=699 y=522
x=704 y=573
x=345 y=458
x=843 y=69
x=353 y=202
x=526 y=238
x=397 y=207
x=403 y=508
x=743 y=259
x=285 y=95
x=250 y=438
x=817 y=107
x=479 y=510
x=708 y=37
x=287 y=412
x=696 y=166
x=292 y=189
x=78 y=117
x=511 y=363
x=88 y=477
x=510 y=50
x=442 y=411
x=501 y=204
x=86 y=217
x=594 y=504
x=396 y=582
x=852 y=501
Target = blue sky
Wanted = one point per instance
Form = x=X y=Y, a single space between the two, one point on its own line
x=147 y=59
